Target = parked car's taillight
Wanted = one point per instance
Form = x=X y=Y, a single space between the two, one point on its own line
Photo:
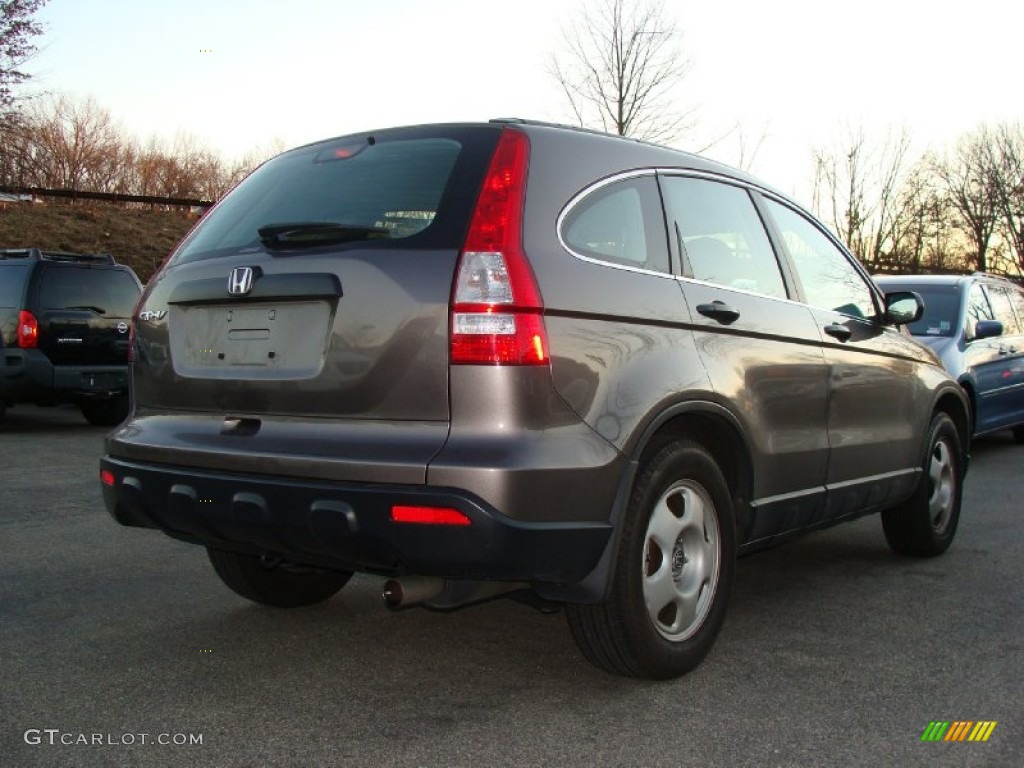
x=28 y=330
x=497 y=313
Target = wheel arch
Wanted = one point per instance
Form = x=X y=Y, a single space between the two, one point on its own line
x=971 y=392
x=712 y=425
x=718 y=430
x=959 y=405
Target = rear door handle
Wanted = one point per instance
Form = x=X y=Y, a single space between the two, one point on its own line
x=838 y=331
x=719 y=311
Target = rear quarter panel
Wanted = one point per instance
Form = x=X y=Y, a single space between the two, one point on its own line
x=622 y=348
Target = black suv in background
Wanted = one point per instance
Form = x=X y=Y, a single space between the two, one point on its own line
x=512 y=357
x=64 y=331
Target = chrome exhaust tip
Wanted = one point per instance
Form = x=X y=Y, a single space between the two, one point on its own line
x=410 y=592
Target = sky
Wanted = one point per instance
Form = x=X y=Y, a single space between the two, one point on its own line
x=784 y=76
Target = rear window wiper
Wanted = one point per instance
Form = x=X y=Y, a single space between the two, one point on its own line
x=90 y=308
x=301 y=234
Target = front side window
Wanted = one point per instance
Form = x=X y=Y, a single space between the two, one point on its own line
x=1003 y=309
x=620 y=223
x=830 y=281
x=978 y=308
x=721 y=236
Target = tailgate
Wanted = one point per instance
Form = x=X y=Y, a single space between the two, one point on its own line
x=350 y=335
x=84 y=313
x=320 y=286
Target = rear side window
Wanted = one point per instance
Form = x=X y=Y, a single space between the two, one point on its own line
x=12 y=284
x=107 y=292
x=620 y=223
x=381 y=192
x=721 y=236
x=1017 y=299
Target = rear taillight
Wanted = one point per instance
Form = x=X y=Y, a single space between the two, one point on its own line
x=28 y=330
x=497 y=313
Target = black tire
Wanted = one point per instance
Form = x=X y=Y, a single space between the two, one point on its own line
x=274 y=583
x=681 y=498
x=925 y=524
x=106 y=413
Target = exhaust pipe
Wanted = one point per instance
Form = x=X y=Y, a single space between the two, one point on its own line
x=411 y=591
x=441 y=594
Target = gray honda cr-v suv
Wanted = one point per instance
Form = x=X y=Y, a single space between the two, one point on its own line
x=519 y=358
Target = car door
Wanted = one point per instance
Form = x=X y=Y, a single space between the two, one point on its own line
x=982 y=361
x=762 y=351
x=878 y=407
x=1000 y=363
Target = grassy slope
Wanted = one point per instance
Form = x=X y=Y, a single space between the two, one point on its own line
x=139 y=238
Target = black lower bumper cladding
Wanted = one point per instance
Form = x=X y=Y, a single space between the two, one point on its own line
x=347 y=525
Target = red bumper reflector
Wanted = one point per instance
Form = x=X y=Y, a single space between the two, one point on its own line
x=107 y=477
x=428 y=515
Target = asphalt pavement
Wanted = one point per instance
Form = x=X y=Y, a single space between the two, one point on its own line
x=119 y=647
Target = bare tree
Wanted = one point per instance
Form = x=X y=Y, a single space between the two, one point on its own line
x=1006 y=176
x=251 y=160
x=857 y=188
x=65 y=143
x=924 y=234
x=622 y=59
x=749 y=147
x=17 y=28
x=72 y=144
x=967 y=178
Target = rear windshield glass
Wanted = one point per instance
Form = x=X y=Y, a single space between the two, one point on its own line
x=378 y=191
x=106 y=292
x=12 y=283
x=941 y=310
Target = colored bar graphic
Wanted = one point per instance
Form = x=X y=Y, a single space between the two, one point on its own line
x=982 y=730
x=958 y=730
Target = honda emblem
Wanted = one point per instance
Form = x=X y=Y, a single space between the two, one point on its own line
x=240 y=281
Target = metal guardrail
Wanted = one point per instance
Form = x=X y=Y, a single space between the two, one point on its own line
x=113 y=197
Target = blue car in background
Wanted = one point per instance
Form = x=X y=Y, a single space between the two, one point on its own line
x=975 y=323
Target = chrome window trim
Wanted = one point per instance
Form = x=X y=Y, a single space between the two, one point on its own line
x=705 y=283
x=637 y=173
x=587 y=192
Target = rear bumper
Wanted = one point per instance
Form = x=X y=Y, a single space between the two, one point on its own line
x=348 y=525
x=28 y=375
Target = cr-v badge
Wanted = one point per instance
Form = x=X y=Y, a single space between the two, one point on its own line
x=240 y=281
x=152 y=314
